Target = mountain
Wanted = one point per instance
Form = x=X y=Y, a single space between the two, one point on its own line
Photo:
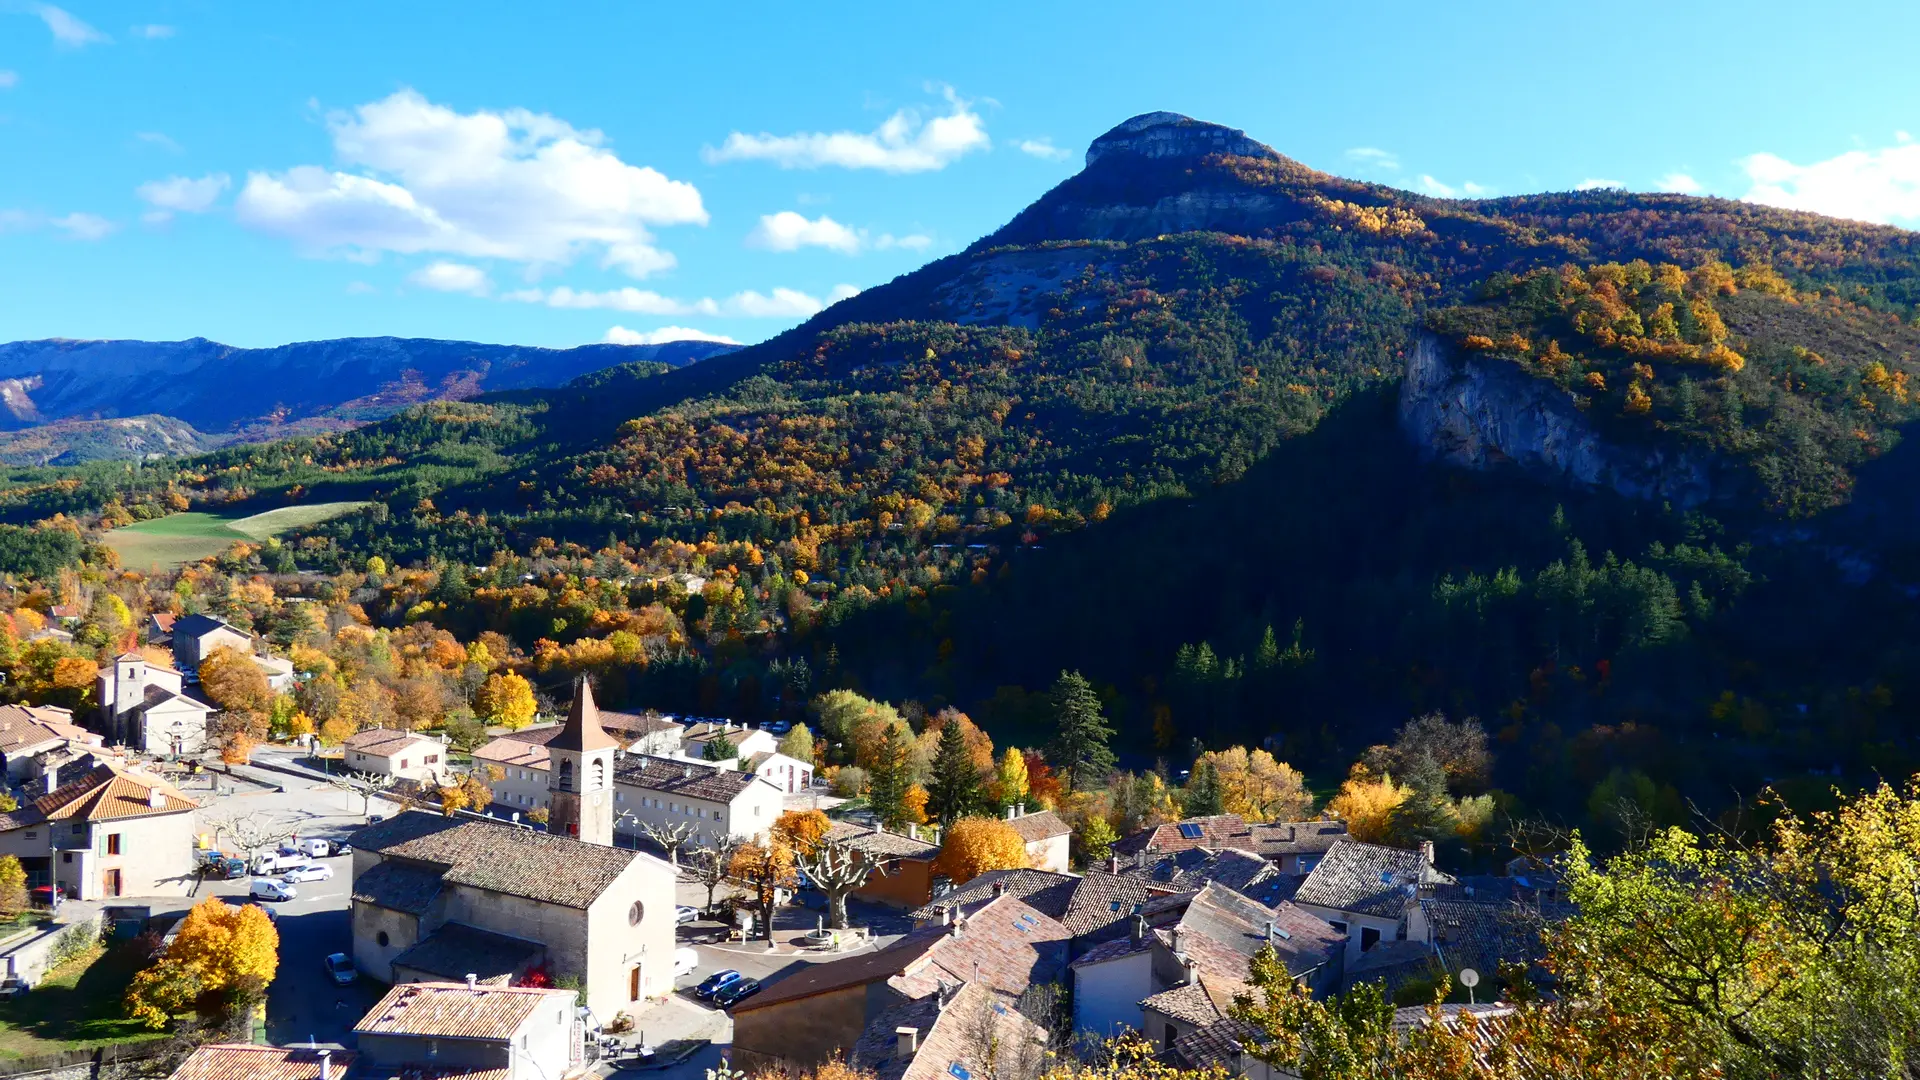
x=218 y=389
x=1269 y=454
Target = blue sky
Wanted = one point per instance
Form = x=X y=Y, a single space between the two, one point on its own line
x=556 y=174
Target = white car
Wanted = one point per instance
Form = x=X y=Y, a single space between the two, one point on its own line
x=683 y=915
x=308 y=872
x=269 y=889
x=684 y=961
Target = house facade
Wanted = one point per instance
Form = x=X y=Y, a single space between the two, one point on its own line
x=107 y=831
x=143 y=705
x=195 y=637
x=718 y=802
x=791 y=775
x=903 y=874
x=1371 y=893
x=1046 y=837
x=408 y=755
x=30 y=732
x=746 y=741
x=449 y=1029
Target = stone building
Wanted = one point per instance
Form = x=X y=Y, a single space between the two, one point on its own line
x=408 y=755
x=143 y=705
x=108 y=831
x=456 y=1029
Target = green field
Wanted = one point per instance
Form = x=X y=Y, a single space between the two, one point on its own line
x=183 y=538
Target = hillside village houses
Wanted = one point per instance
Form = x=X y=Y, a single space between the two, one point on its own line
x=100 y=830
x=438 y=898
x=144 y=705
x=32 y=735
x=791 y=775
x=195 y=637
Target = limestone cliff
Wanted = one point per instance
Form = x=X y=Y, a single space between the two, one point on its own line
x=1171 y=135
x=1481 y=412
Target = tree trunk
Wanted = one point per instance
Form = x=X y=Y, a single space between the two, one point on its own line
x=837 y=910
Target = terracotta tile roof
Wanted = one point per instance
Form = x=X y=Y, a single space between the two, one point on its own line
x=385 y=741
x=23 y=727
x=499 y=857
x=455 y=1011
x=1114 y=950
x=1202 y=1001
x=1482 y=934
x=245 y=1061
x=456 y=950
x=163 y=620
x=1221 y=930
x=978 y=1031
x=1003 y=943
x=1276 y=838
x=808 y=980
x=440 y=1072
x=714 y=783
x=1242 y=871
x=1391 y=964
x=109 y=793
x=627 y=726
x=1043 y=890
x=582 y=731
x=398 y=886
x=1102 y=900
x=1218 y=1044
x=880 y=843
x=1044 y=825
x=518 y=753
x=1218 y=831
x=1368 y=879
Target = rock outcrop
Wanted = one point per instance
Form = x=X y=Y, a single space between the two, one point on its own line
x=1171 y=135
x=1480 y=412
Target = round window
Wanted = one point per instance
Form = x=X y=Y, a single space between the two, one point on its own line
x=635 y=913
x=382 y=938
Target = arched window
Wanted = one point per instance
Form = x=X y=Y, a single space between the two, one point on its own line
x=566 y=775
x=599 y=773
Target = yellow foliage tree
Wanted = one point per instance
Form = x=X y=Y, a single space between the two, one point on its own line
x=1365 y=802
x=976 y=845
x=1011 y=783
x=235 y=683
x=506 y=700
x=802 y=830
x=220 y=949
x=1257 y=787
x=916 y=804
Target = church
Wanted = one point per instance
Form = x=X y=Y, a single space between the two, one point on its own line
x=441 y=898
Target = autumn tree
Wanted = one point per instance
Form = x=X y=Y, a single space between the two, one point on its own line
x=469 y=791
x=797 y=744
x=506 y=700
x=1093 y=840
x=1257 y=787
x=1010 y=778
x=219 y=963
x=802 y=830
x=1459 y=749
x=765 y=867
x=836 y=869
x=234 y=682
x=976 y=845
x=237 y=747
x=888 y=779
x=1365 y=802
x=13 y=887
x=1082 y=744
x=953 y=789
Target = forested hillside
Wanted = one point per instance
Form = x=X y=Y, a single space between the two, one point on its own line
x=1148 y=430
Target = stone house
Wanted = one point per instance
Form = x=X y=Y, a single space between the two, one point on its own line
x=971 y=1031
x=109 y=831
x=29 y=732
x=1045 y=835
x=195 y=637
x=457 y=1029
x=791 y=775
x=408 y=755
x=143 y=705
x=904 y=876
x=1295 y=847
x=439 y=898
x=248 y=1061
x=820 y=1010
x=718 y=801
x=747 y=742
x=1042 y=890
x=1371 y=893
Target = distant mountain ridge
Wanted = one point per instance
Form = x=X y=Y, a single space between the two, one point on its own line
x=222 y=390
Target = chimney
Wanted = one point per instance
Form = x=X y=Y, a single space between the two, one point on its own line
x=1139 y=929
x=946 y=915
x=1426 y=852
x=156 y=798
x=1113 y=864
x=52 y=777
x=473 y=981
x=913 y=831
x=1173 y=939
x=1012 y=812
x=1269 y=931
x=686 y=772
x=326 y=1065
x=1193 y=969
x=908 y=1041
x=1000 y=887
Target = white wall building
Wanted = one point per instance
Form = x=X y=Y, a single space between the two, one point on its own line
x=143 y=705
x=718 y=801
x=791 y=775
x=408 y=755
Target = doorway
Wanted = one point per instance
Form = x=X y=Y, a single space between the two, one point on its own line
x=633 y=983
x=113 y=882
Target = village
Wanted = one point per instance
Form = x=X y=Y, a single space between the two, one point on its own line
x=607 y=892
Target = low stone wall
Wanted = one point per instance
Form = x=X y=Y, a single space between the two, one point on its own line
x=30 y=960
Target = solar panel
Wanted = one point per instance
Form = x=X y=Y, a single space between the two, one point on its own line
x=999 y=1008
x=1030 y=920
x=1283 y=935
x=1022 y=927
x=1191 y=832
x=960 y=1072
x=1113 y=905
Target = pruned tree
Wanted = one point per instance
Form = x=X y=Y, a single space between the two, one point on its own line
x=710 y=865
x=364 y=784
x=836 y=869
x=252 y=833
x=671 y=836
x=765 y=867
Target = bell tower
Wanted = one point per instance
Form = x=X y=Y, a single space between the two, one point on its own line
x=580 y=776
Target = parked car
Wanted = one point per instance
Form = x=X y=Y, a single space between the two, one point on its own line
x=269 y=889
x=715 y=982
x=314 y=848
x=272 y=916
x=375 y=819
x=339 y=847
x=682 y=915
x=778 y=727
x=735 y=992
x=684 y=961
x=222 y=867
x=340 y=968
x=312 y=871
x=278 y=863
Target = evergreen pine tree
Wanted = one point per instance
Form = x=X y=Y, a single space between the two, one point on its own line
x=1426 y=813
x=1202 y=795
x=1081 y=750
x=954 y=790
x=887 y=781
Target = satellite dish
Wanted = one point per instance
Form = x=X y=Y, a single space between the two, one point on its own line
x=1469 y=978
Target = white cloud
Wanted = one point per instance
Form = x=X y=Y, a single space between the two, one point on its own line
x=152 y=31
x=904 y=143
x=82 y=226
x=1374 y=158
x=789 y=231
x=67 y=30
x=1680 y=183
x=911 y=241
x=1044 y=148
x=1434 y=187
x=1598 y=185
x=515 y=185
x=182 y=194
x=446 y=276
x=160 y=140
x=1476 y=190
x=9 y=80
x=781 y=303
x=620 y=335
x=1868 y=185
x=1468 y=188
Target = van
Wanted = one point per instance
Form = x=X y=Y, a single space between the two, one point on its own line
x=315 y=848
x=278 y=863
x=684 y=961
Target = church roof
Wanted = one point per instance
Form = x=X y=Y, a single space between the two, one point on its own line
x=582 y=731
